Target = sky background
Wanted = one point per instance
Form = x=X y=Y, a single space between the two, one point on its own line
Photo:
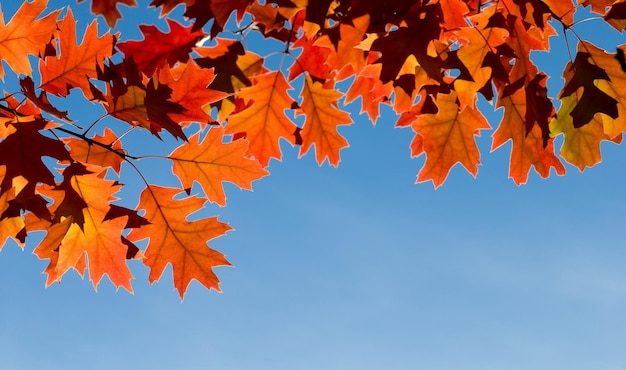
x=358 y=268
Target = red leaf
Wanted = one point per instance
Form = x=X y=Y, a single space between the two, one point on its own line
x=108 y=8
x=158 y=47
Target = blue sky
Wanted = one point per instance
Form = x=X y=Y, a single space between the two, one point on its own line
x=358 y=268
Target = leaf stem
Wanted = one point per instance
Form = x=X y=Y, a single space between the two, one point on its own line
x=108 y=147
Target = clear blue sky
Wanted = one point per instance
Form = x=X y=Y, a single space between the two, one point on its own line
x=358 y=268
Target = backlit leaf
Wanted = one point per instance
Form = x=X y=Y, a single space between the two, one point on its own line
x=212 y=162
x=176 y=241
x=24 y=35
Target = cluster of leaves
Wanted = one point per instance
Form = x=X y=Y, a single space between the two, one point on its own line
x=429 y=60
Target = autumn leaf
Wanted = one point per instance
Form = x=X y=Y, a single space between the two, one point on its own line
x=158 y=47
x=148 y=105
x=371 y=90
x=479 y=41
x=48 y=249
x=598 y=6
x=76 y=64
x=108 y=154
x=212 y=162
x=108 y=9
x=233 y=67
x=92 y=236
x=613 y=86
x=190 y=89
x=219 y=10
x=265 y=121
x=346 y=57
x=25 y=34
x=581 y=145
x=30 y=146
x=528 y=147
x=41 y=100
x=448 y=138
x=523 y=41
x=413 y=40
x=168 y=5
x=616 y=16
x=176 y=241
x=582 y=75
x=311 y=59
x=10 y=226
x=319 y=106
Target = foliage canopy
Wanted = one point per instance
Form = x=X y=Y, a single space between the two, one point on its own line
x=201 y=83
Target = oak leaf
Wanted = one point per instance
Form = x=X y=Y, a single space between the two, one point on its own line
x=219 y=10
x=346 y=57
x=591 y=100
x=176 y=241
x=212 y=162
x=447 y=138
x=41 y=100
x=32 y=146
x=613 y=86
x=312 y=59
x=168 y=5
x=581 y=145
x=48 y=249
x=598 y=6
x=93 y=236
x=25 y=34
x=478 y=42
x=190 y=89
x=265 y=121
x=108 y=154
x=371 y=90
x=108 y=9
x=616 y=16
x=529 y=148
x=76 y=64
x=158 y=47
x=319 y=106
x=148 y=104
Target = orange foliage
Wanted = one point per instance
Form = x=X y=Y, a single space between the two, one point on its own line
x=230 y=104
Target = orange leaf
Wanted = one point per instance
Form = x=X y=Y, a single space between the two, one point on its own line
x=76 y=64
x=598 y=6
x=189 y=86
x=347 y=58
x=49 y=249
x=176 y=241
x=528 y=147
x=448 y=138
x=319 y=105
x=372 y=91
x=480 y=41
x=265 y=121
x=86 y=152
x=25 y=35
x=130 y=107
x=93 y=236
x=211 y=162
x=312 y=59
